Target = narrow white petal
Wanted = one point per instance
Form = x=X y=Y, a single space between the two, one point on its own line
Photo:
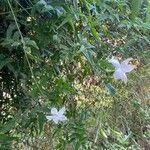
x=54 y=111
x=126 y=67
x=61 y=111
x=55 y=120
x=114 y=62
x=64 y=118
x=124 y=78
x=126 y=61
x=49 y=117
x=119 y=74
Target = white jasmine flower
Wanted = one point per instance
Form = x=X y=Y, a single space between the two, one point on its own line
x=56 y=115
x=122 y=68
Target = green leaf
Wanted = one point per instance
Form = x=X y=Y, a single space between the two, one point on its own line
x=47 y=8
x=93 y=30
x=4 y=138
x=148 y=12
x=12 y=27
x=68 y=20
x=135 y=8
x=105 y=65
x=88 y=53
x=4 y=61
x=11 y=68
x=8 y=126
x=103 y=133
x=41 y=121
x=110 y=89
x=31 y=43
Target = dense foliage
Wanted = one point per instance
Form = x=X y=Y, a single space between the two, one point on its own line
x=54 y=53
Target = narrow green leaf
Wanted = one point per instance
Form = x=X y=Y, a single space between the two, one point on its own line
x=148 y=12
x=8 y=126
x=10 y=30
x=29 y=42
x=103 y=133
x=4 y=138
x=135 y=8
x=41 y=121
x=110 y=89
x=4 y=62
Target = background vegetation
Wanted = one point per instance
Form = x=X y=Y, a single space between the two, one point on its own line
x=53 y=53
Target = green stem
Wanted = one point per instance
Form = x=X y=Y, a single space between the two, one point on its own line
x=24 y=47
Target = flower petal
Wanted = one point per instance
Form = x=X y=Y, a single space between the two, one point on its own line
x=49 y=117
x=54 y=111
x=126 y=61
x=119 y=74
x=126 y=67
x=55 y=119
x=61 y=111
x=63 y=118
x=114 y=62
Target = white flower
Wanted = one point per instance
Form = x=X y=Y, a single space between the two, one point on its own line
x=56 y=115
x=122 y=68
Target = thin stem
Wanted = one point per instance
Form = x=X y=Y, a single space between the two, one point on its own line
x=22 y=7
x=24 y=47
x=5 y=13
